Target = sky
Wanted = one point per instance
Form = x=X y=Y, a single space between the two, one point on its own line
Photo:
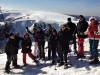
x=72 y=7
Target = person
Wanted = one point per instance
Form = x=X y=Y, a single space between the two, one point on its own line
x=36 y=51
x=26 y=49
x=18 y=39
x=47 y=35
x=53 y=44
x=82 y=26
x=72 y=27
x=41 y=42
x=63 y=45
x=93 y=39
x=11 y=50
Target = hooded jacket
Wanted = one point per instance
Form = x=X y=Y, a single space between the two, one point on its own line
x=93 y=29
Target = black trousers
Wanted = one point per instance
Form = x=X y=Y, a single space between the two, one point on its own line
x=41 y=49
x=61 y=56
x=53 y=49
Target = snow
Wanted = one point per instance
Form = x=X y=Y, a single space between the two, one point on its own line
x=56 y=19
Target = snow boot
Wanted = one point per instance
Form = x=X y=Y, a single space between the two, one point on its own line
x=60 y=64
x=65 y=66
x=7 y=71
x=95 y=61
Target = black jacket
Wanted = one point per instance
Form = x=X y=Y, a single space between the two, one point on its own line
x=63 y=41
x=72 y=27
x=26 y=43
x=82 y=27
x=11 y=47
x=53 y=41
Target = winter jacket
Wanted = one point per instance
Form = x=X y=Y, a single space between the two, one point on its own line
x=18 y=39
x=92 y=30
x=25 y=43
x=82 y=27
x=48 y=33
x=40 y=36
x=72 y=27
x=11 y=47
x=53 y=41
x=63 y=41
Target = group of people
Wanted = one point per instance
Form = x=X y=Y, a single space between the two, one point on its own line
x=57 y=42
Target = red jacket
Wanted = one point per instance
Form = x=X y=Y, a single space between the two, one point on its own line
x=93 y=29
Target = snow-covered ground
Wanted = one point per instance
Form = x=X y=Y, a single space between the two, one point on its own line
x=56 y=20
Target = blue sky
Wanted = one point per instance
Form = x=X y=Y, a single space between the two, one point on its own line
x=75 y=7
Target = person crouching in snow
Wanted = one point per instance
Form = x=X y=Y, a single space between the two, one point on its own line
x=63 y=45
x=11 y=50
x=93 y=39
x=53 y=44
x=26 y=49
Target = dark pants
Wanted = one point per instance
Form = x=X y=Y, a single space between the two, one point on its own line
x=61 y=57
x=49 y=52
x=9 y=59
x=53 y=49
x=74 y=42
x=93 y=47
x=41 y=49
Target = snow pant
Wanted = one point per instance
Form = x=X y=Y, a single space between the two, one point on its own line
x=93 y=47
x=36 y=51
x=9 y=59
x=80 y=46
x=53 y=49
x=29 y=54
x=41 y=49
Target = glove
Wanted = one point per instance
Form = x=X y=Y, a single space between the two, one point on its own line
x=26 y=27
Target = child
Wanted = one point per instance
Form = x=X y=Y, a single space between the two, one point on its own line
x=26 y=48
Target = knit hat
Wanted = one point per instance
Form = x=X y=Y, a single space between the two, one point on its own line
x=92 y=18
x=11 y=34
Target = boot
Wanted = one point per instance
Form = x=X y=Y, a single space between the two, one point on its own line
x=65 y=66
x=95 y=61
x=60 y=64
x=15 y=64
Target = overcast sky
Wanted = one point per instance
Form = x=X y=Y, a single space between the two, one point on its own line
x=73 y=7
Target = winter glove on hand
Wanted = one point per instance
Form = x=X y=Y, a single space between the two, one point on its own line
x=26 y=27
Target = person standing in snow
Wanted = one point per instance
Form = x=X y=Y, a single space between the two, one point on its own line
x=41 y=42
x=72 y=27
x=93 y=39
x=36 y=51
x=48 y=33
x=26 y=49
x=82 y=26
x=11 y=49
x=63 y=45
x=53 y=42
x=18 y=39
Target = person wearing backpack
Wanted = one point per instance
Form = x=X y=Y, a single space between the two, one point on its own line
x=82 y=26
x=93 y=39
